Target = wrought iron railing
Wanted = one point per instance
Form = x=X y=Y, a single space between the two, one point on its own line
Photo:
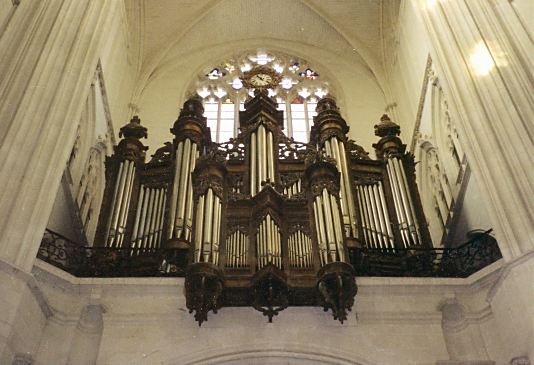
x=459 y=262
x=82 y=261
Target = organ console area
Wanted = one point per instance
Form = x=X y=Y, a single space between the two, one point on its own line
x=262 y=220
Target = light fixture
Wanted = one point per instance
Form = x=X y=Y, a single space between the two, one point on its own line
x=481 y=60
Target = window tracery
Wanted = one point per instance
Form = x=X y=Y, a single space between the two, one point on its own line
x=442 y=163
x=297 y=94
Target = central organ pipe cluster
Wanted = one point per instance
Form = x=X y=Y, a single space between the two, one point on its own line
x=269 y=243
x=261 y=158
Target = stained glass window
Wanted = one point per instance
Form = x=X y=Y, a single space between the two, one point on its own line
x=297 y=94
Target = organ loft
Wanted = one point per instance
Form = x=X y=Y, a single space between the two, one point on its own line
x=263 y=220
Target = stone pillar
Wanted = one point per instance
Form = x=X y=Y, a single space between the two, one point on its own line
x=461 y=339
x=87 y=336
x=488 y=76
x=48 y=55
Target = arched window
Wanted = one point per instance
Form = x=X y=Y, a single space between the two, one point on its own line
x=224 y=95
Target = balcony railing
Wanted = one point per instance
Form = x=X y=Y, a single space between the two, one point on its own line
x=81 y=261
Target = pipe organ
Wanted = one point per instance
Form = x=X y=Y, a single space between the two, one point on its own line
x=261 y=219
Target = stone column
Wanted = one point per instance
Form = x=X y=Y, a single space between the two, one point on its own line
x=87 y=336
x=486 y=73
x=48 y=55
x=464 y=344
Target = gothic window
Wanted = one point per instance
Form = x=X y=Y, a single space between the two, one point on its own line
x=445 y=136
x=297 y=94
x=91 y=189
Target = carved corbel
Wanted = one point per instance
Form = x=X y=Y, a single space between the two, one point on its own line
x=337 y=288
x=204 y=284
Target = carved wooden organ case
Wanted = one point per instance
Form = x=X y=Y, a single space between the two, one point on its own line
x=262 y=220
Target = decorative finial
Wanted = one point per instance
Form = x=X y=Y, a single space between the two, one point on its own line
x=387 y=128
x=134 y=129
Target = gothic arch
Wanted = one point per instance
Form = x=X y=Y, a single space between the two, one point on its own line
x=277 y=354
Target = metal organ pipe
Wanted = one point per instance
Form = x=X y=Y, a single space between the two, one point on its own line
x=175 y=187
x=159 y=222
x=182 y=191
x=151 y=240
x=148 y=217
x=189 y=205
x=199 y=227
x=373 y=190
x=399 y=209
x=142 y=218
x=336 y=150
x=363 y=214
x=125 y=203
x=138 y=215
x=208 y=221
x=374 y=217
x=270 y=155
x=404 y=199
x=262 y=168
x=329 y=227
x=268 y=243
x=348 y=188
x=121 y=183
x=261 y=159
x=253 y=163
x=181 y=209
x=400 y=167
x=386 y=214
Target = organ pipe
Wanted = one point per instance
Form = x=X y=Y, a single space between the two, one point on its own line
x=138 y=215
x=253 y=167
x=336 y=150
x=268 y=243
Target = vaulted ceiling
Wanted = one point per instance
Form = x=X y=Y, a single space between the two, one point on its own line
x=173 y=40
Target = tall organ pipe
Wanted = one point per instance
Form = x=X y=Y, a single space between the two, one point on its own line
x=175 y=187
x=208 y=221
x=386 y=214
x=410 y=202
x=138 y=215
x=253 y=167
x=182 y=191
x=336 y=150
x=189 y=206
x=399 y=209
x=125 y=203
x=199 y=227
x=270 y=155
x=121 y=183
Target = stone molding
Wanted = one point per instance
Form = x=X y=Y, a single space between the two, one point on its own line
x=465 y=362
x=22 y=359
x=284 y=350
x=522 y=360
